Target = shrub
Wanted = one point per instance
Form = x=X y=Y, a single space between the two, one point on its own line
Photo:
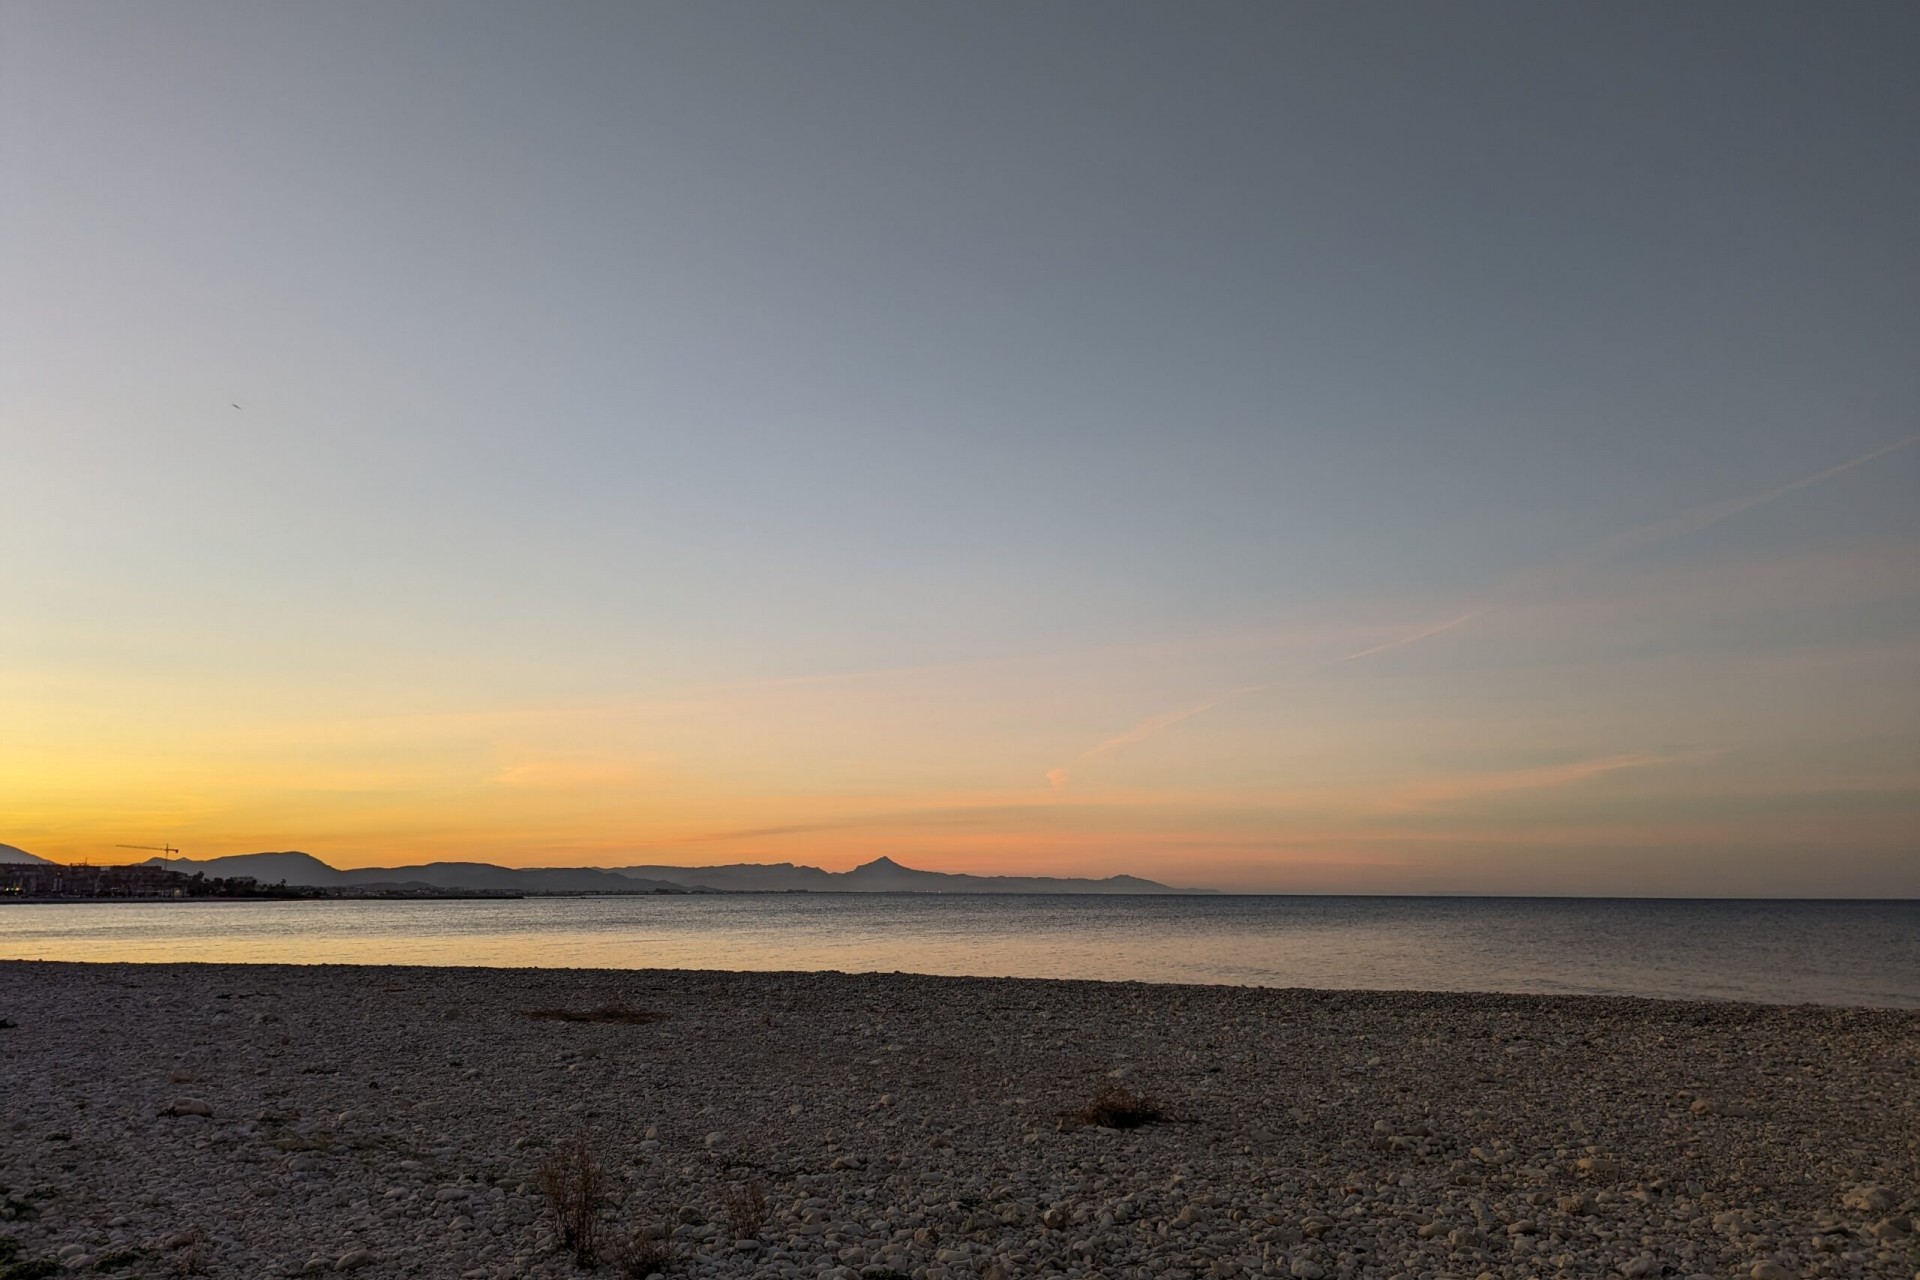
x=1116 y=1107
x=641 y=1253
x=188 y=1261
x=575 y=1184
x=746 y=1209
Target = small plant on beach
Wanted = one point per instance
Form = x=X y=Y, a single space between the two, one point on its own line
x=642 y=1252
x=14 y=1267
x=746 y=1206
x=189 y=1261
x=622 y=1013
x=575 y=1184
x=1116 y=1107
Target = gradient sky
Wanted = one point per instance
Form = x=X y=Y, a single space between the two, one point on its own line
x=1392 y=448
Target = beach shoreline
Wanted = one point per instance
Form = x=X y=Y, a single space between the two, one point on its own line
x=1857 y=955
x=392 y=1120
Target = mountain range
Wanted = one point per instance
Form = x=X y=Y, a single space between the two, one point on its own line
x=882 y=875
x=303 y=870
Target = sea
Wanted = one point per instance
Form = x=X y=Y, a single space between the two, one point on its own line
x=1791 y=952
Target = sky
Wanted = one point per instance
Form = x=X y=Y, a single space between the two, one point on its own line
x=1378 y=448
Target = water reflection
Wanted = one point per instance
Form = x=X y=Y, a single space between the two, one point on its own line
x=1828 y=952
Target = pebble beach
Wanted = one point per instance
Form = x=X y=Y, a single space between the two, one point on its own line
x=267 y=1121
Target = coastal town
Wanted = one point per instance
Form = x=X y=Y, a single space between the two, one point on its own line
x=61 y=882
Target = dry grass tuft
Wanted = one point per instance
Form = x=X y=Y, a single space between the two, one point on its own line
x=624 y=1013
x=1116 y=1107
x=746 y=1209
x=190 y=1260
x=642 y=1253
x=575 y=1185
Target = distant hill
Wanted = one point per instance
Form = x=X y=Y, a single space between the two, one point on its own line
x=884 y=875
x=305 y=870
x=739 y=877
x=10 y=854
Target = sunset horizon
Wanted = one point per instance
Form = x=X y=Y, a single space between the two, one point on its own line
x=581 y=780
x=1425 y=457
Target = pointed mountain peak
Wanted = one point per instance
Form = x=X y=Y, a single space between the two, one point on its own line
x=881 y=863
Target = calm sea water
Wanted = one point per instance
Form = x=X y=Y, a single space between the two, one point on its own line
x=1856 y=953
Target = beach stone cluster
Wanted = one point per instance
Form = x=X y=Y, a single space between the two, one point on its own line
x=274 y=1121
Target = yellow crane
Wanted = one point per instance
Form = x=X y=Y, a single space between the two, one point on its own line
x=167 y=851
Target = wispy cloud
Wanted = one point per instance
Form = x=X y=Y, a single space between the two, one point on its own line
x=1062 y=775
x=568 y=774
x=1451 y=790
x=917 y=818
x=1402 y=641
x=1509 y=591
x=1697 y=520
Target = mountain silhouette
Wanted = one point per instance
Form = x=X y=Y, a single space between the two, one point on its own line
x=303 y=870
x=882 y=875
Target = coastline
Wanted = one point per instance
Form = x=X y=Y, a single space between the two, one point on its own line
x=393 y=1118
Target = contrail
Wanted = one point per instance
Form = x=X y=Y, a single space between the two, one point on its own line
x=1687 y=522
x=1141 y=732
x=1417 y=636
x=1599 y=552
x=1153 y=724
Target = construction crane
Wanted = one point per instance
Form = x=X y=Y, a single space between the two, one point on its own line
x=167 y=851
